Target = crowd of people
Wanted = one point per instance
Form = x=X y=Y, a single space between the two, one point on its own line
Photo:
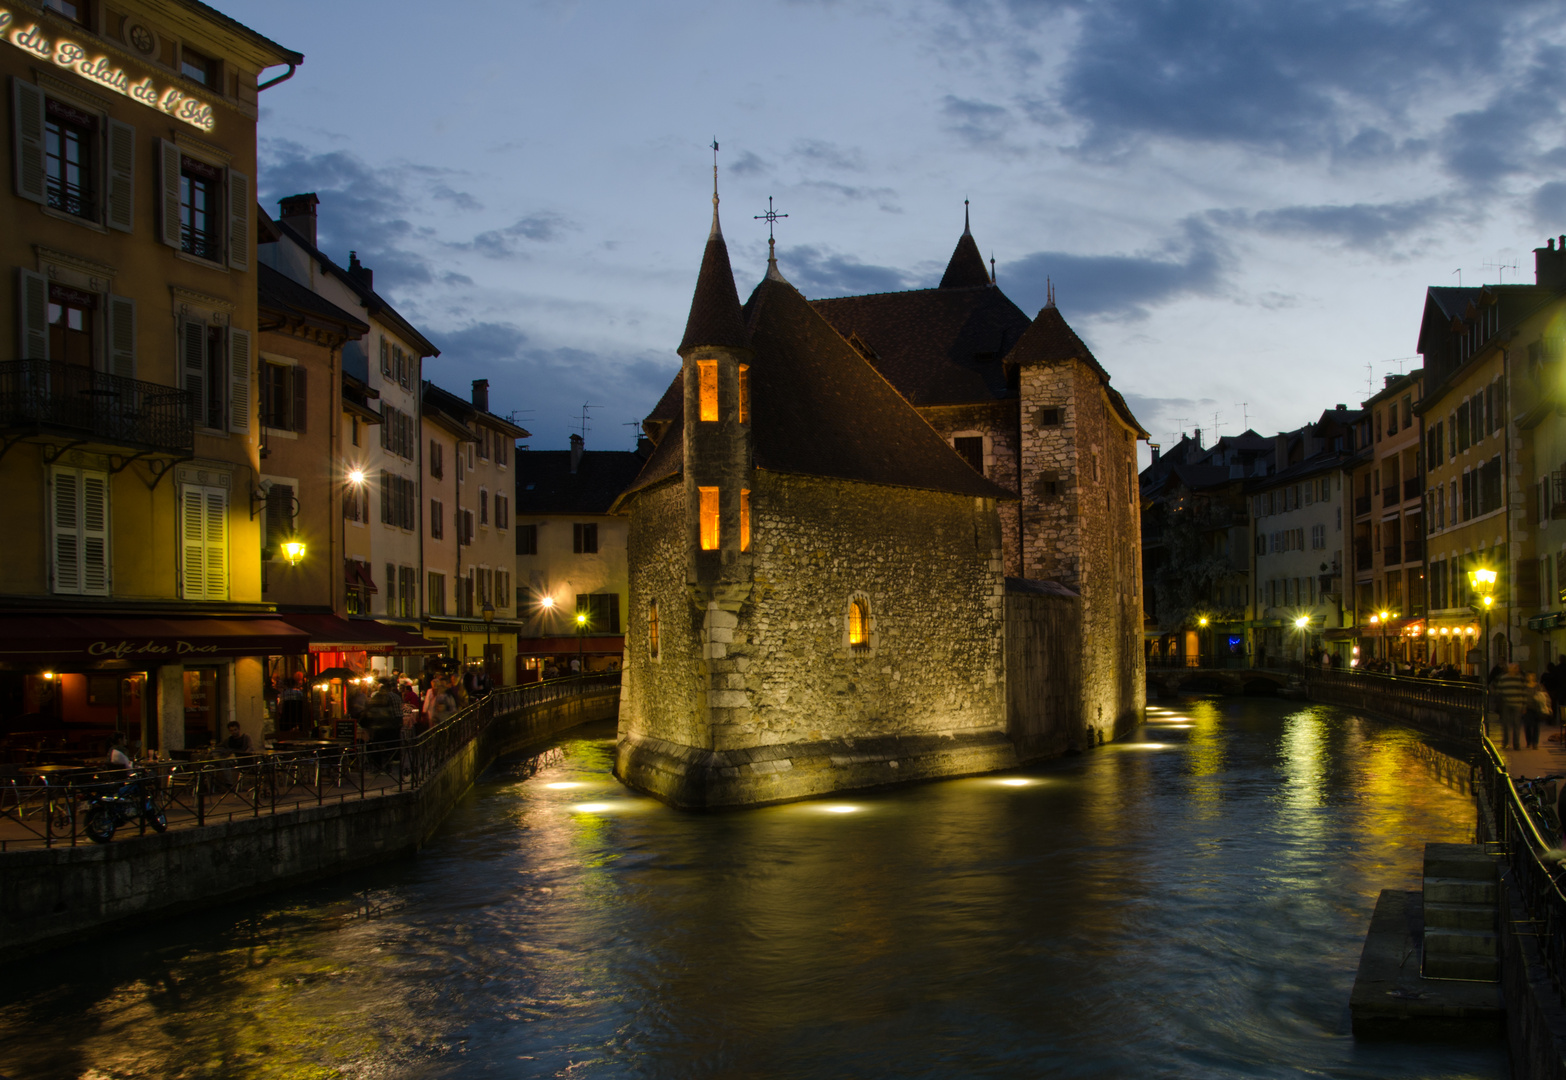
x=1520 y=703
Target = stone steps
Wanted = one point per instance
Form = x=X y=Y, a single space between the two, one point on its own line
x=1460 y=898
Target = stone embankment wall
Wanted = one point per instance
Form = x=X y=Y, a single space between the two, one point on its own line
x=51 y=896
x=1452 y=721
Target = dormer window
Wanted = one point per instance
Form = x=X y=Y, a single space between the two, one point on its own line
x=707 y=376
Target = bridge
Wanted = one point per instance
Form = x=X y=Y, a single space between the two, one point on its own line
x=1168 y=681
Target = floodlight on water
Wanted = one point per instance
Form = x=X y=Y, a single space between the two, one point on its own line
x=839 y=808
x=564 y=785
x=1016 y=781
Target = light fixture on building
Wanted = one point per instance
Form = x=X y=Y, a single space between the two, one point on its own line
x=48 y=674
x=293 y=551
x=1202 y=621
x=547 y=603
x=356 y=476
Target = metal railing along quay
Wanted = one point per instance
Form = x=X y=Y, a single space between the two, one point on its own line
x=1451 y=693
x=197 y=793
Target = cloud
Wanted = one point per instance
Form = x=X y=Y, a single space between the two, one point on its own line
x=827 y=155
x=539 y=227
x=1549 y=205
x=885 y=198
x=980 y=123
x=1123 y=285
x=817 y=271
x=747 y=164
x=1360 y=225
x=460 y=199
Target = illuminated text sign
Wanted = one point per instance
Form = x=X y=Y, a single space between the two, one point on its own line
x=99 y=69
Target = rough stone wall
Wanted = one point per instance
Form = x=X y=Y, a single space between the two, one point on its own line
x=780 y=668
x=998 y=422
x=927 y=564
x=662 y=697
x=1088 y=534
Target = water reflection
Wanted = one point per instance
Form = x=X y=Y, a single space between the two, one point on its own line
x=1191 y=903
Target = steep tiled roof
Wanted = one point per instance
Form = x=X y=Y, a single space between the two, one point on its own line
x=546 y=484
x=282 y=295
x=819 y=409
x=937 y=346
x=715 y=308
x=966 y=270
x=1050 y=340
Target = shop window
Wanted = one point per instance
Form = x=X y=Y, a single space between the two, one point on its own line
x=707 y=375
x=744 y=519
x=709 y=517
x=652 y=629
x=202 y=708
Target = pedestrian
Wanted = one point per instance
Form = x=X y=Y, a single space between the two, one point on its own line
x=1514 y=694
x=1539 y=706
x=118 y=758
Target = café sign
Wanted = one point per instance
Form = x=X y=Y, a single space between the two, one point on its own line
x=100 y=69
x=121 y=650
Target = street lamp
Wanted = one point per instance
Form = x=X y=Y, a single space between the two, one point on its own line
x=1301 y=624
x=1386 y=653
x=581 y=630
x=489 y=619
x=1481 y=580
x=294 y=551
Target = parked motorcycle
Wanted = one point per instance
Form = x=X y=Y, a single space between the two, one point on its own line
x=108 y=810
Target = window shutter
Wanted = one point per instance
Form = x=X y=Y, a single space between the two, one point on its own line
x=120 y=189
x=385 y=497
x=385 y=357
x=193 y=568
x=217 y=543
x=33 y=310
x=239 y=379
x=391 y=589
x=122 y=336
x=193 y=363
x=168 y=178
x=300 y=398
x=238 y=220
x=27 y=105
x=95 y=534
x=67 y=531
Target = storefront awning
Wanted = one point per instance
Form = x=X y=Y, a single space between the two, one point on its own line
x=1548 y=621
x=404 y=642
x=559 y=646
x=143 y=639
x=1342 y=633
x=357 y=574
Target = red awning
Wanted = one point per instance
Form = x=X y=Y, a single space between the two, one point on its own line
x=358 y=575
x=402 y=641
x=328 y=633
x=143 y=639
x=559 y=646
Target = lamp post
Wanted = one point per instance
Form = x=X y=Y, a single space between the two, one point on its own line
x=581 y=630
x=1302 y=624
x=489 y=619
x=1481 y=580
x=1386 y=652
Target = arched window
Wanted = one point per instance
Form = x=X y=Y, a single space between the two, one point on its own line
x=858 y=624
x=652 y=629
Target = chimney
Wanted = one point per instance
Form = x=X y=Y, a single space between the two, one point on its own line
x=298 y=213
x=359 y=272
x=1549 y=265
x=1280 y=452
x=576 y=452
x=1340 y=408
x=1154 y=447
x=481 y=395
x=1196 y=437
x=644 y=447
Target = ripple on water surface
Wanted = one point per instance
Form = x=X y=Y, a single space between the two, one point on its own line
x=1190 y=902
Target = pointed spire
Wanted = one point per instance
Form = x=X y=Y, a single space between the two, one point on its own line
x=1049 y=293
x=716 y=317
x=966 y=269
x=992 y=268
x=772 y=262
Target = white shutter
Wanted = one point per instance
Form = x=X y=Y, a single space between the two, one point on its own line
x=122 y=336
x=238 y=220
x=95 y=534
x=27 y=149
x=32 y=303
x=168 y=178
x=239 y=378
x=67 y=531
x=193 y=556
x=120 y=176
x=217 y=543
x=193 y=366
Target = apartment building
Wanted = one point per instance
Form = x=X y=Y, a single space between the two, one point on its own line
x=130 y=462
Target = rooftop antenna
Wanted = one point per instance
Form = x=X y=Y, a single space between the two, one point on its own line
x=1500 y=270
x=1370 y=380
x=582 y=421
x=1215 y=426
x=1245 y=413
x=1459 y=273
x=771 y=217
x=1400 y=361
x=636 y=428
x=1180 y=422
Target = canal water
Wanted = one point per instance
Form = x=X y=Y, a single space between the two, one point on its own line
x=1188 y=903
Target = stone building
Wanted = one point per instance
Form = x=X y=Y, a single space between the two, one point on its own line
x=817 y=557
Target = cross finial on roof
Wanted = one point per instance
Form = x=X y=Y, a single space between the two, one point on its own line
x=771 y=217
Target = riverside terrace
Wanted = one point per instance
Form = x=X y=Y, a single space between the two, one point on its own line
x=43 y=809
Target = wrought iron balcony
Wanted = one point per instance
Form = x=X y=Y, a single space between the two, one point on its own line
x=48 y=397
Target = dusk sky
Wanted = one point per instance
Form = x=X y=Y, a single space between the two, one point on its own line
x=1240 y=203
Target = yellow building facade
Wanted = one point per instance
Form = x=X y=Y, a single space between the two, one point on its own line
x=130 y=453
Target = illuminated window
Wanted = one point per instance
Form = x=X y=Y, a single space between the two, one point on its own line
x=709 y=518
x=652 y=629
x=744 y=393
x=858 y=624
x=744 y=519
x=708 y=373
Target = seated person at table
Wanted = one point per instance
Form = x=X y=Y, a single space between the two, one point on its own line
x=237 y=742
x=118 y=758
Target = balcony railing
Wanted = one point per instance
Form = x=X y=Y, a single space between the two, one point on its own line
x=1411 y=488
x=51 y=397
x=1361 y=505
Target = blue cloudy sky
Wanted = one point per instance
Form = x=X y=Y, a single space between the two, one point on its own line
x=1240 y=202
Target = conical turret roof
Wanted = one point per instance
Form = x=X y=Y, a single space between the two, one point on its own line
x=716 y=317
x=966 y=269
